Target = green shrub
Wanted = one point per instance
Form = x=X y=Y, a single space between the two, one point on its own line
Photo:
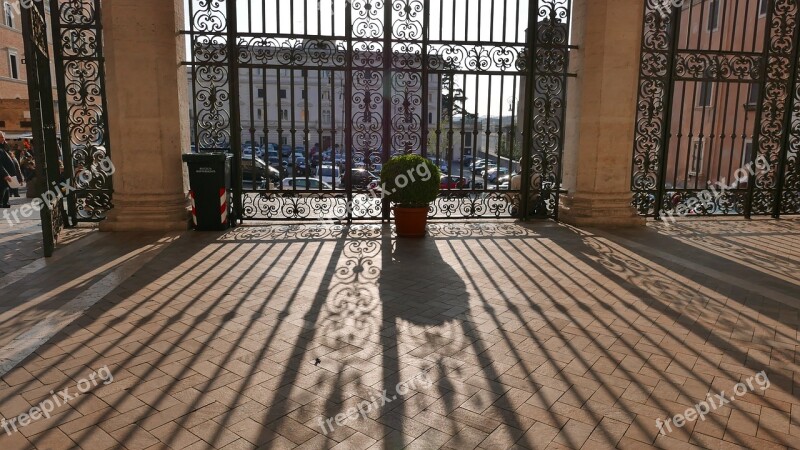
x=410 y=181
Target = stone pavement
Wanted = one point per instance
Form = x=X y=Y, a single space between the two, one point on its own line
x=21 y=237
x=20 y=240
x=483 y=335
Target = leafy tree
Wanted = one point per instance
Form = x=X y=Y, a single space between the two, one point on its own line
x=453 y=101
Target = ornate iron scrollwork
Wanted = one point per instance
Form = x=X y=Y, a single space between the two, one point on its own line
x=384 y=65
x=80 y=74
x=681 y=124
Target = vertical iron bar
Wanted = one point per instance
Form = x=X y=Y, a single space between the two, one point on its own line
x=425 y=81
x=306 y=113
x=266 y=126
x=562 y=132
x=349 y=79
x=235 y=124
x=525 y=184
x=101 y=76
x=388 y=85
x=279 y=101
x=668 y=100
x=40 y=98
x=252 y=131
x=293 y=121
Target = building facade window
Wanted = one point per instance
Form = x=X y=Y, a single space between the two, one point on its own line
x=13 y=64
x=8 y=15
x=261 y=93
x=747 y=152
x=696 y=163
x=326 y=95
x=283 y=94
x=326 y=116
x=705 y=96
x=713 y=15
x=752 y=95
x=285 y=114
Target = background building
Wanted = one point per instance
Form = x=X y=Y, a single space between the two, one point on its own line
x=15 y=115
x=273 y=102
x=714 y=122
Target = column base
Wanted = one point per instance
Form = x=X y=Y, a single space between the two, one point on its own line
x=599 y=210
x=148 y=212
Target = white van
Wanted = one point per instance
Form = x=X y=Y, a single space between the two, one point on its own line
x=329 y=174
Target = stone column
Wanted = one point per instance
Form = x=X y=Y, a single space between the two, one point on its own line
x=147 y=113
x=601 y=113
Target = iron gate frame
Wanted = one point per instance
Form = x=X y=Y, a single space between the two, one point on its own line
x=40 y=95
x=219 y=50
x=777 y=127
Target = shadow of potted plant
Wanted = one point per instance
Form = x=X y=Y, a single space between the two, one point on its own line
x=411 y=183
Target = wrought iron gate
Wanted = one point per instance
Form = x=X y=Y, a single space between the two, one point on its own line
x=325 y=92
x=40 y=91
x=70 y=132
x=718 y=125
x=77 y=33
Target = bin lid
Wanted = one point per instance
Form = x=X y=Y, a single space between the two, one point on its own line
x=205 y=157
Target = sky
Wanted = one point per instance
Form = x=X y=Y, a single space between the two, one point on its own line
x=460 y=20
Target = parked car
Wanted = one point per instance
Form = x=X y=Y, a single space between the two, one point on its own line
x=286 y=150
x=273 y=158
x=362 y=178
x=328 y=173
x=452 y=182
x=247 y=153
x=302 y=183
x=262 y=170
x=483 y=166
x=477 y=183
x=496 y=172
x=441 y=163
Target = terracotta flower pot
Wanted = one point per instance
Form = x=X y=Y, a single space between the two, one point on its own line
x=410 y=222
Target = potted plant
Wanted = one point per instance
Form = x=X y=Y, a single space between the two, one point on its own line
x=411 y=183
